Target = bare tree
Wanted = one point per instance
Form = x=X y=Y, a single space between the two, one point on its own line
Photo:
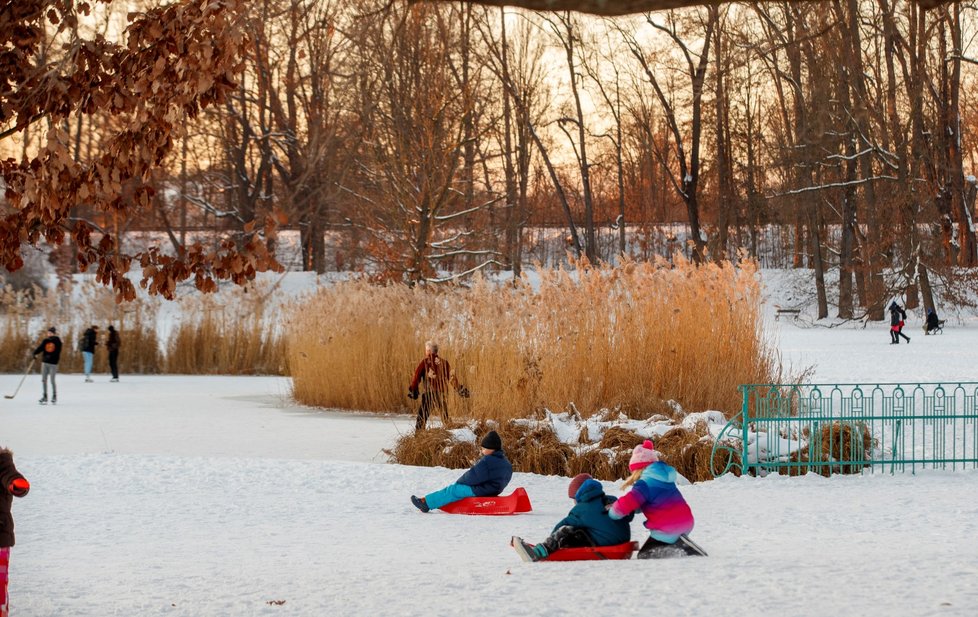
x=685 y=179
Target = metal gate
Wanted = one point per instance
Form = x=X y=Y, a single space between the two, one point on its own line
x=795 y=429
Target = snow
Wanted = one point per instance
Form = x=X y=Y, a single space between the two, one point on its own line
x=213 y=496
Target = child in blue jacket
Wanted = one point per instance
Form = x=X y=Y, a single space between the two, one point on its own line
x=587 y=524
x=487 y=478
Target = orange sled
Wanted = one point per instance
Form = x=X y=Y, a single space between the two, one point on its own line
x=514 y=503
x=587 y=553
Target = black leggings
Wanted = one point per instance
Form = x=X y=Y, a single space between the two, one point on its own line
x=567 y=537
x=430 y=401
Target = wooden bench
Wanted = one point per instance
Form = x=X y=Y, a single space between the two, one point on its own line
x=780 y=310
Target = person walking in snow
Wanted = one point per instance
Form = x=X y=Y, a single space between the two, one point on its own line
x=487 y=478
x=12 y=484
x=437 y=374
x=587 y=524
x=933 y=323
x=50 y=350
x=653 y=490
x=88 y=343
x=112 y=344
x=898 y=318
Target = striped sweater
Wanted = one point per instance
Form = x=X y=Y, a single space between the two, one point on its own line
x=667 y=515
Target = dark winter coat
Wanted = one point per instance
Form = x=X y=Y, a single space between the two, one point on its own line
x=590 y=514
x=489 y=476
x=897 y=314
x=932 y=321
x=89 y=341
x=50 y=350
x=8 y=473
x=113 y=343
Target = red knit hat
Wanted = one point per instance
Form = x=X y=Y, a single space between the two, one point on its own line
x=643 y=455
x=576 y=483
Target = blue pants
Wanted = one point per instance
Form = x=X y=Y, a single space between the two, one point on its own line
x=88 y=356
x=452 y=492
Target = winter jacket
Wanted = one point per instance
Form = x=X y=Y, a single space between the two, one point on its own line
x=489 y=476
x=89 y=341
x=589 y=513
x=50 y=350
x=932 y=321
x=8 y=473
x=897 y=314
x=113 y=343
x=436 y=371
x=667 y=515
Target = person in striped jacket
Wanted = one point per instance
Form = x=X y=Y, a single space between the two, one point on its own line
x=654 y=492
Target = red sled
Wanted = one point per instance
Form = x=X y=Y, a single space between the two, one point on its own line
x=515 y=503
x=589 y=553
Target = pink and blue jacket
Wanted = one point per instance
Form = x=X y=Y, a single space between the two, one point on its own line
x=667 y=515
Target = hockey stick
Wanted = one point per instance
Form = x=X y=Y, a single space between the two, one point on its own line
x=27 y=372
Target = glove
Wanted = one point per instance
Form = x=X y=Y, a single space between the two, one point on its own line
x=19 y=487
x=463 y=392
x=413 y=394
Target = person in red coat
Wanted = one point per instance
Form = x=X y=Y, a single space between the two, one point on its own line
x=437 y=374
x=12 y=484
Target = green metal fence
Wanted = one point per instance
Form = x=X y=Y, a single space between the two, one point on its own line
x=794 y=429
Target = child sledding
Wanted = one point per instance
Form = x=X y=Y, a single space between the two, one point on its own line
x=654 y=492
x=586 y=525
x=487 y=478
x=598 y=525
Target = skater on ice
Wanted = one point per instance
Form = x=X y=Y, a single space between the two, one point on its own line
x=12 y=484
x=50 y=350
x=587 y=523
x=667 y=515
x=437 y=374
x=487 y=478
x=88 y=343
x=113 y=345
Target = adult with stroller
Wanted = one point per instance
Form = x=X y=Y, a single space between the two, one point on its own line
x=933 y=323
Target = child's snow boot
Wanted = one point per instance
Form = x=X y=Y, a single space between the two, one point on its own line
x=526 y=551
x=420 y=503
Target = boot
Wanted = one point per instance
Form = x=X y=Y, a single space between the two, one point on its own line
x=420 y=503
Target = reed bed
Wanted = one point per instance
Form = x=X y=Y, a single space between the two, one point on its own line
x=234 y=332
x=534 y=447
x=629 y=337
x=230 y=334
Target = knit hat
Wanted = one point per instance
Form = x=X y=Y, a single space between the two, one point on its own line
x=643 y=455
x=492 y=441
x=576 y=483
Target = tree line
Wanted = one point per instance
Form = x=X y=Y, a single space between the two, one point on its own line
x=429 y=136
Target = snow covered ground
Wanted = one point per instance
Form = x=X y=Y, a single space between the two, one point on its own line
x=213 y=496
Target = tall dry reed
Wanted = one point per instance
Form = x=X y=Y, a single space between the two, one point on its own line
x=235 y=333
x=226 y=336
x=631 y=337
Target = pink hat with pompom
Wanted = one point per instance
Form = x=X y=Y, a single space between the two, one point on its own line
x=643 y=455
